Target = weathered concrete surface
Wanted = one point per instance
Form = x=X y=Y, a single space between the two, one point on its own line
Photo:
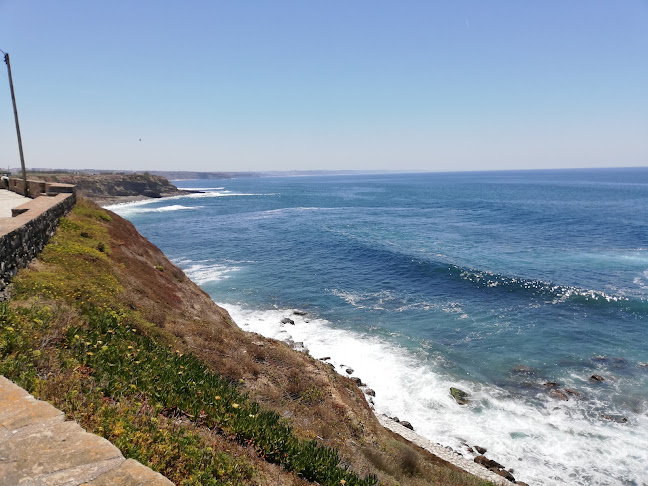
x=38 y=447
x=8 y=201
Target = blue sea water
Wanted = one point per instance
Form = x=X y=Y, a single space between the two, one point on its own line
x=493 y=282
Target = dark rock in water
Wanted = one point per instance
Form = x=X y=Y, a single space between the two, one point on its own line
x=596 y=378
x=481 y=450
x=551 y=384
x=370 y=392
x=357 y=381
x=615 y=418
x=619 y=362
x=349 y=371
x=325 y=358
x=406 y=424
x=300 y=313
x=153 y=194
x=395 y=419
x=559 y=395
x=522 y=369
x=601 y=358
x=460 y=396
x=573 y=393
x=470 y=449
x=287 y=320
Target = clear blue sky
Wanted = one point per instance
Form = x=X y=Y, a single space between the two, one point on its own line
x=363 y=84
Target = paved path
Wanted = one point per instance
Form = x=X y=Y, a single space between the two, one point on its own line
x=9 y=200
x=38 y=447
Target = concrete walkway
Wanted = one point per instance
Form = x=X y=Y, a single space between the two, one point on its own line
x=38 y=447
x=10 y=200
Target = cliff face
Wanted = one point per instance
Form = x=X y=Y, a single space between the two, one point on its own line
x=108 y=188
x=104 y=326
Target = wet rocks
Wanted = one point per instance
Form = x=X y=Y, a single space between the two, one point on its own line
x=370 y=392
x=287 y=320
x=615 y=418
x=596 y=378
x=406 y=424
x=558 y=394
x=299 y=313
x=349 y=371
x=495 y=467
x=551 y=384
x=460 y=396
x=357 y=381
x=481 y=450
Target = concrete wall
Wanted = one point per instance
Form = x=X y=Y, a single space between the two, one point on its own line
x=36 y=188
x=24 y=236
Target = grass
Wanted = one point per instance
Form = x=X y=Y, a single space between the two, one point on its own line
x=71 y=336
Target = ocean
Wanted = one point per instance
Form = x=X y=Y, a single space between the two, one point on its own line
x=516 y=287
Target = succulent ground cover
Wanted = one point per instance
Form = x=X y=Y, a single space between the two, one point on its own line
x=105 y=328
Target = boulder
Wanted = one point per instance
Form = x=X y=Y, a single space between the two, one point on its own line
x=460 y=396
x=615 y=418
x=406 y=424
x=522 y=369
x=481 y=450
x=504 y=473
x=573 y=393
x=559 y=395
x=287 y=320
x=551 y=384
x=370 y=392
x=325 y=358
x=357 y=381
x=596 y=378
x=349 y=371
x=300 y=313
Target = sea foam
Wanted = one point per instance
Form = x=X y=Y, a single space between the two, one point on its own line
x=555 y=443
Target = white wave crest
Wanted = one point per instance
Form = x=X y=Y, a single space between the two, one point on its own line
x=203 y=272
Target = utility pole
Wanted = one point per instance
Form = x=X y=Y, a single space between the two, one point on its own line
x=15 y=109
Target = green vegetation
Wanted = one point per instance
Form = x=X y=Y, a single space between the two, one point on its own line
x=68 y=337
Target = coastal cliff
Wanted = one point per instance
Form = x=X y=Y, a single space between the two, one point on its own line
x=103 y=326
x=110 y=188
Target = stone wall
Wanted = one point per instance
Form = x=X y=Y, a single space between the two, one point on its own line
x=24 y=236
x=35 y=188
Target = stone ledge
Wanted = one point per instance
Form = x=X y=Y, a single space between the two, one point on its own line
x=39 y=448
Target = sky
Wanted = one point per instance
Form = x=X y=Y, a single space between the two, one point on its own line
x=331 y=84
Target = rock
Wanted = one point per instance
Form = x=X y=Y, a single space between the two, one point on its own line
x=153 y=194
x=596 y=378
x=481 y=450
x=504 y=473
x=573 y=393
x=395 y=419
x=559 y=395
x=287 y=320
x=370 y=392
x=615 y=418
x=522 y=369
x=601 y=358
x=349 y=371
x=551 y=384
x=406 y=424
x=460 y=396
x=325 y=358
x=300 y=313
x=483 y=460
x=470 y=449
x=357 y=381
